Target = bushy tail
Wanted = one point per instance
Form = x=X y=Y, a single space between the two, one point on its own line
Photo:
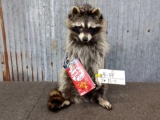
x=56 y=101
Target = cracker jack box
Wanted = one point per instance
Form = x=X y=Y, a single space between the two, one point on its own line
x=79 y=76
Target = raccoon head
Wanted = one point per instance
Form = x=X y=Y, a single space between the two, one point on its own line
x=85 y=22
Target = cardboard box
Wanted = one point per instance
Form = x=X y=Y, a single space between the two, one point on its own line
x=80 y=77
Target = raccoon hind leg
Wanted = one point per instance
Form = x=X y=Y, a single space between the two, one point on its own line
x=57 y=101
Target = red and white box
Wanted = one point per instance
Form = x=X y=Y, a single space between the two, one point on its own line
x=80 y=77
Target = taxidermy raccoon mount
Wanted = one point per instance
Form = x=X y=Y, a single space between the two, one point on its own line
x=86 y=41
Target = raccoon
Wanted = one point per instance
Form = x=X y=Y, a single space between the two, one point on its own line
x=86 y=41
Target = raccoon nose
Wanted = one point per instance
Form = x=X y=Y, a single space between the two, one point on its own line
x=85 y=39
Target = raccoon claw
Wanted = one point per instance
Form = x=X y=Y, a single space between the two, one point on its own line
x=108 y=107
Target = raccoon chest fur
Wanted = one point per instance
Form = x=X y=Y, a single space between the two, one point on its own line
x=91 y=57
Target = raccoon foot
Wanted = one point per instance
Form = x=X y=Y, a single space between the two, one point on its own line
x=105 y=103
x=56 y=101
x=65 y=103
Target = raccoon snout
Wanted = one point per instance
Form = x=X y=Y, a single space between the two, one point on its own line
x=85 y=39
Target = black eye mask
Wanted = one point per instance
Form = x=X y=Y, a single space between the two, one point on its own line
x=91 y=30
x=77 y=29
x=95 y=30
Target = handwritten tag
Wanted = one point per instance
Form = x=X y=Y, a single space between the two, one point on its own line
x=112 y=76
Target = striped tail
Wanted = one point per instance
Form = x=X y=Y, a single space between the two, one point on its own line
x=56 y=101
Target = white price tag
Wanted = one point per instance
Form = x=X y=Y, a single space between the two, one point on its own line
x=112 y=76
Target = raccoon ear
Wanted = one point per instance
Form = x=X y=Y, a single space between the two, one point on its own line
x=97 y=12
x=75 y=10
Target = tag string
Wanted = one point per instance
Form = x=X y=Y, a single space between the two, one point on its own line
x=66 y=61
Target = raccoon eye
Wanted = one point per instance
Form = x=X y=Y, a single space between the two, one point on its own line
x=77 y=29
x=94 y=30
x=80 y=28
